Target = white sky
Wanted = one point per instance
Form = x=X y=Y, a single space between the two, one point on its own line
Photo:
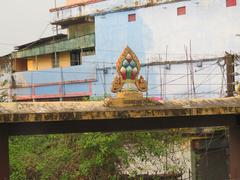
x=23 y=21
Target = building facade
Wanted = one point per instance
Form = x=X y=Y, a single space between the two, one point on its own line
x=181 y=45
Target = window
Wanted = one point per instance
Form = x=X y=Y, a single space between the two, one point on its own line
x=88 y=51
x=55 y=60
x=75 y=58
x=230 y=3
x=131 y=17
x=181 y=11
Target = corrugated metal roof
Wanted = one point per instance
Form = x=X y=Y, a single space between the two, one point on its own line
x=48 y=47
x=41 y=41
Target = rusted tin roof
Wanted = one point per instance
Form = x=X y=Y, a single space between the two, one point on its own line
x=41 y=41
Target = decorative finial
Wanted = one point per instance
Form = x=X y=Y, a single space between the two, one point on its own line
x=128 y=67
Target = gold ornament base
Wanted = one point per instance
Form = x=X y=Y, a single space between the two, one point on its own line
x=127 y=98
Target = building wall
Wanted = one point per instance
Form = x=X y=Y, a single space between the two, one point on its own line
x=39 y=62
x=77 y=30
x=64 y=59
x=45 y=61
x=159 y=34
x=53 y=83
x=31 y=65
x=41 y=81
x=209 y=25
x=19 y=65
x=172 y=83
x=101 y=6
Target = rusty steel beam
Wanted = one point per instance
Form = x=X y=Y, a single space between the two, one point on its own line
x=4 y=153
x=116 y=125
x=74 y=5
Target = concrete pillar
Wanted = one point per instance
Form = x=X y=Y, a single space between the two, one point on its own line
x=234 y=145
x=4 y=155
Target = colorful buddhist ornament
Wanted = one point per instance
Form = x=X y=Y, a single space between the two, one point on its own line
x=126 y=84
x=128 y=67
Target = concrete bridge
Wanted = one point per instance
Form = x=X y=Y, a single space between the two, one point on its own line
x=77 y=117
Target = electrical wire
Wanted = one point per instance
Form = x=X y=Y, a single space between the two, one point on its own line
x=99 y=73
x=40 y=36
x=7 y=44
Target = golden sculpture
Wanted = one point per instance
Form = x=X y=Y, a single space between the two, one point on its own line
x=117 y=84
x=127 y=85
x=128 y=67
x=141 y=84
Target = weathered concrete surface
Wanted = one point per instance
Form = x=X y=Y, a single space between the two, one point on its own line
x=95 y=110
x=78 y=117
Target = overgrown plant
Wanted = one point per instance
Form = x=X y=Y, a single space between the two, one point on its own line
x=86 y=156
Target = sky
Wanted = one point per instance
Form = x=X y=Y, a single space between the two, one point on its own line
x=23 y=21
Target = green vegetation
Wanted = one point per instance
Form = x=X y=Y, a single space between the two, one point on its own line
x=86 y=156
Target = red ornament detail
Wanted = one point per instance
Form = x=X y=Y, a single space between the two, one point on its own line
x=124 y=76
x=133 y=76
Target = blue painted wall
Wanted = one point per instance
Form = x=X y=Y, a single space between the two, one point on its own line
x=159 y=34
x=68 y=81
x=209 y=24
